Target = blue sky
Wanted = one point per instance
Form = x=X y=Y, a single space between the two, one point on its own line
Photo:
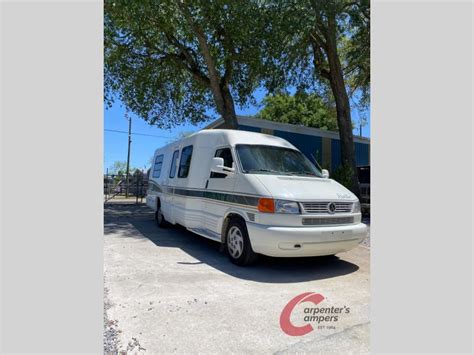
x=142 y=148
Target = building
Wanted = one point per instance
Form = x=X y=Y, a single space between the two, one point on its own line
x=314 y=143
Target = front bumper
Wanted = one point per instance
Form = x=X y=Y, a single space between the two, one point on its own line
x=304 y=241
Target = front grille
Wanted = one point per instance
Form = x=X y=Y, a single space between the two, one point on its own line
x=324 y=221
x=322 y=207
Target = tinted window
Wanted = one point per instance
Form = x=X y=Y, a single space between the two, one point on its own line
x=157 y=166
x=174 y=161
x=225 y=154
x=185 y=162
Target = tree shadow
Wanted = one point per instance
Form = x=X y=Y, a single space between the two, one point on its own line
x=125 y=220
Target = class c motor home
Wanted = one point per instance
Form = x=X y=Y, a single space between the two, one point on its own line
x=255 y=193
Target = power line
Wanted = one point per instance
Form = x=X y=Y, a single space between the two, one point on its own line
x=136 y=134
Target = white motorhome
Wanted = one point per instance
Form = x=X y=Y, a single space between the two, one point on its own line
x=255 y=193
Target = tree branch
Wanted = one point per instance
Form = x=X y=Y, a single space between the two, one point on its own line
x=211 y=67
x=319 y=62
x=317 y=38
x=197 y=74
x=186 y=60
x=228 y=45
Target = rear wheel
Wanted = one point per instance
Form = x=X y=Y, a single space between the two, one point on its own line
x=160 y=218
x=238 y=244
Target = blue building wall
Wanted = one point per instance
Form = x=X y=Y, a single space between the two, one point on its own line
x=250 y=128
x=335 y=154
x=361 y=152
x=311 y=146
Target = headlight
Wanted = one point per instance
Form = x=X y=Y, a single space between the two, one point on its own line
x=282 y=206
x=356 y=207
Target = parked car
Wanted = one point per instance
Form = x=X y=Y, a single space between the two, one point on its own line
x=363 y=173
x=255 y=193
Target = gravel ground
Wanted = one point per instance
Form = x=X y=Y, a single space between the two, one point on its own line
x=111 y=331
x=170 y=291
x=366 y=241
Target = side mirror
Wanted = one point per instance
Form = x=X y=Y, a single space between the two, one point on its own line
x=325 y=174
x=217 y=166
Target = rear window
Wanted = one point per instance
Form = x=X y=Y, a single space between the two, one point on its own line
x=185 y=162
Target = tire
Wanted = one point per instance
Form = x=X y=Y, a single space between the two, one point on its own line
x=238 y=244
x=160 y=218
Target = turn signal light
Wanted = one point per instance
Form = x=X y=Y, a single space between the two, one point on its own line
x=266 y=205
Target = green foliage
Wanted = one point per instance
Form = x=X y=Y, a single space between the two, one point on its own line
x=343 y=175
x=120 y=168
x=169 y=61
x=299 y=51
x=301 y=109
x=356 y=49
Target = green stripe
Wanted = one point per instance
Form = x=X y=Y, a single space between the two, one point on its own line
x=247 y=200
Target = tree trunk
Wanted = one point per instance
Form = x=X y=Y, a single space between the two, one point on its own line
x=225 y=105
x=220 y=92
x=228 y=109
x=343 y=109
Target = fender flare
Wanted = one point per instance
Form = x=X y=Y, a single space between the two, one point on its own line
x=223 y=223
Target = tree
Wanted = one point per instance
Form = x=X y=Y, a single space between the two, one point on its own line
x=120 y=168
x=300 y=109
x=168 y=61
x=331 y=40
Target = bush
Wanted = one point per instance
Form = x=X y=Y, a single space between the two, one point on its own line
x=343 y=175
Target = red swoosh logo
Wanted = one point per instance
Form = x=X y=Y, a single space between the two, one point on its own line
x=285 y=322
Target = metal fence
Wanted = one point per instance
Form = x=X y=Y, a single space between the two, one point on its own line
x=117 y=186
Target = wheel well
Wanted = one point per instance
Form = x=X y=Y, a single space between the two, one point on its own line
x=227 y=219
x=158 y=203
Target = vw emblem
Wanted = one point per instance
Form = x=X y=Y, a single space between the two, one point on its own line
x=331 y=207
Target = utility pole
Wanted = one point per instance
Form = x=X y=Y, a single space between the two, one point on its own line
x=128 y=153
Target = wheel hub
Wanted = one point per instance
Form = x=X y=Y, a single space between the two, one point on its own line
x=235 y=242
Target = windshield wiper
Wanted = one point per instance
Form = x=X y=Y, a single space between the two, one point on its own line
x=303 y=174
x=267 y=171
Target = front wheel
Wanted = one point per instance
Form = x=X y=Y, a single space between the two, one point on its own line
x=238 y=244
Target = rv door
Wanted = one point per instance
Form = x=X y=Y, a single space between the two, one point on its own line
x=170 y=186
x=220 y=183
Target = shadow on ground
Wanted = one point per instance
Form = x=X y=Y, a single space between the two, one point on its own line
x=126 y=219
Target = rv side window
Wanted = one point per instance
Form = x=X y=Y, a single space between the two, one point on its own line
x=185 y=162
x=225 y=154
x=157 y=166
x=173 y=163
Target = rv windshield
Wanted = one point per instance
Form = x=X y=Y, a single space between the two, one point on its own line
x=273 y=160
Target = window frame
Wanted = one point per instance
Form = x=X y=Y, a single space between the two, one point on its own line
x=174 y=163
x=162 y=156
x=214 y=156
x=181 y=161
